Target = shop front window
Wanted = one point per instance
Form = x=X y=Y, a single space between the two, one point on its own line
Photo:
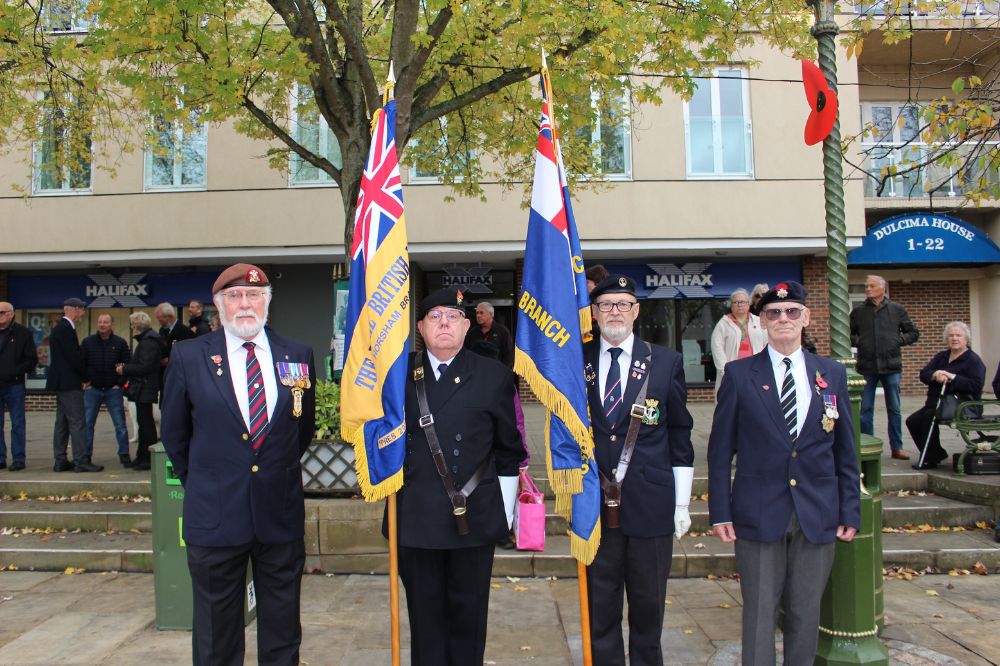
x=684 y=325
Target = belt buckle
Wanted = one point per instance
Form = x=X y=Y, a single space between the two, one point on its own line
x=426 y=421
x=638 y=411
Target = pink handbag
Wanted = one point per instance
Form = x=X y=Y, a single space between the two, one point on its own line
x=529 y=515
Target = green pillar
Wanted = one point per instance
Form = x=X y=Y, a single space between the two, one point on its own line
x=852 y=609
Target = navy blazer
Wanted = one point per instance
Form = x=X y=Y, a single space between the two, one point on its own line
x=66 y=365
x=233 y=494
x=647 y=504
x=473 y=408
x=749 y=424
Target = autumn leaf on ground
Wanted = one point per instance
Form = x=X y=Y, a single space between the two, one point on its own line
x=725 y=605
x=494 y=586
x=981 y=524
x=21 y=496
x=688 y=632
x=980 y=568
x=932 y=593
x=520 y=588
x=699 y=545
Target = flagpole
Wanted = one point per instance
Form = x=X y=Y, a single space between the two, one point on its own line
x=581 y=568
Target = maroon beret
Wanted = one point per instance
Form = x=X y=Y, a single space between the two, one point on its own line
x=240 y=275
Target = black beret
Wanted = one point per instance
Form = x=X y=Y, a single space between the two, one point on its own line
x=784 y=292
x=613 y=284
x=74 y=303
x=449 y=297
x=240 y=275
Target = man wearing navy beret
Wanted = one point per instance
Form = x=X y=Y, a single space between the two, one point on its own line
x=785 y=414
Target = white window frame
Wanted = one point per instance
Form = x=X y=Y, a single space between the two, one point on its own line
x=713 y=78
x=77 y=11
x=180 y=132
x=324 y=180
x=66 y=176
x=626 y=129
x=417 y=178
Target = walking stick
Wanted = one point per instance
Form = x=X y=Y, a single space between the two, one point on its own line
x=581 y=578
x=930 y=431
x=393 y=582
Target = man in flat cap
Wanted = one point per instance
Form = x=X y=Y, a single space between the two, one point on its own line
x=66 y=378
x=238 y=411
x=459 y=480
x=785 y=411
x=642 y=443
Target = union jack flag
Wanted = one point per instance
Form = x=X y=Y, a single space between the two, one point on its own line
x=380 y=201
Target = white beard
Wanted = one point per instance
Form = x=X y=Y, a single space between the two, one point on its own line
x=615 y=333
x=244 y=330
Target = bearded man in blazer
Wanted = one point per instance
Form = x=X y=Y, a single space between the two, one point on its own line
x=786 y=417
x=634 y=557
x=238 y=412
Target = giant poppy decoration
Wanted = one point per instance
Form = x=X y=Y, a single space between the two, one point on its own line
x=822 y=102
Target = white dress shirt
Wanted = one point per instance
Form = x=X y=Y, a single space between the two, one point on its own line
x=604 y=362
x=237 y=356
x=435 y=362
x=803 y=391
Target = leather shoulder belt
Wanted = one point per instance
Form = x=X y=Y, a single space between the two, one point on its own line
x=456 y=496
x=613 y=487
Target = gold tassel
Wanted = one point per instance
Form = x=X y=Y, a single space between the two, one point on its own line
x=586 y=549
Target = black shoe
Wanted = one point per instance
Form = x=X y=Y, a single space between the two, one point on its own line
x=16 y=466
x=3 y=465
x=86 y=460
x=87 y=467
x=926 y=465
x=996 y=533
x=141 y=465
x=506 y=543
x=125 y=460
x=64 y=466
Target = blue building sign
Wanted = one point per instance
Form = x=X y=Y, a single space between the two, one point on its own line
x=101 y=289
x=924 y=238
x=699 y=279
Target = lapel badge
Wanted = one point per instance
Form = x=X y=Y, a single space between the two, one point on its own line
x=588 y=373
x=418 y=373
x=643 y=366
x=457 y=380
x=766 y=387
x=651 y=415
x=218 y=364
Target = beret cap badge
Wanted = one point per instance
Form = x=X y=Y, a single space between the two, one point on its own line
x=458 y=297
x=782 y=290
x=622 y=282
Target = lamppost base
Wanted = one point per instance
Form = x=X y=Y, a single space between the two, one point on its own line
x=836 y=650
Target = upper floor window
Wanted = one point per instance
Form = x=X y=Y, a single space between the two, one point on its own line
x=310 y=129
x=455 y=151
x=67 y=16
x=63 y=155
x=176 y=157
x=610 y=136
x=717 y=126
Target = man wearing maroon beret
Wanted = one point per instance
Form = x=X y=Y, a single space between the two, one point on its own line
x=237 y=413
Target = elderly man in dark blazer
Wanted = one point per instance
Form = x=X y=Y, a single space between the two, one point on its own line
x=785 y=414
x=642 y=443
x=67 y=377
x=445 y=560
x=238 y=411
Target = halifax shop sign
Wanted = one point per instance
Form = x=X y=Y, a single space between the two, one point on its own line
x=696 y=279
x=922 y=238
x=101 y=289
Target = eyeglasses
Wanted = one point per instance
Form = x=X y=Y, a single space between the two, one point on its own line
x=608 y=306
x=452 y=316
x=5 y=312
x=741 y=302
x=791 y=313
x=236 y=295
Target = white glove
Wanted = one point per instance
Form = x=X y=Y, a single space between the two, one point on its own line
x=508 y=488
x=682 y=521
x=683 y=478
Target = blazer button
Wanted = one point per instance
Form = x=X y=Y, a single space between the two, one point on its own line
x=245 y=437
x=254 y=468
x=793 y=483
x=795 y=454
x=456 y=452
x=614 y=438
x=458 y=437
x=454 y=469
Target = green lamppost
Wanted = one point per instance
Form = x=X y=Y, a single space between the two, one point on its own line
x=852 y=611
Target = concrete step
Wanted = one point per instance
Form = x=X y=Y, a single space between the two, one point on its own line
x=68 y=484
x=87 y=515
x=693 y=557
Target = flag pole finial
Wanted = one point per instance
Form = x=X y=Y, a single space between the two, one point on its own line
x=390 y=83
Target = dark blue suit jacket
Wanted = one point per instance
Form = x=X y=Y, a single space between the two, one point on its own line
x=748 y=424
x=226 y=502
x=647 y=506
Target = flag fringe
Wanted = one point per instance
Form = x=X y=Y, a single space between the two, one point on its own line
x=586 y=549
x=379 y=491
x=586 y=325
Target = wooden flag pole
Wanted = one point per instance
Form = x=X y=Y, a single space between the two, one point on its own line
x=393 y=582
x=581 y=577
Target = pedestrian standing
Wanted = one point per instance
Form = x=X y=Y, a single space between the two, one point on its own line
x=102 y=351
x=67 y=379
x=142 y=375
x=879 y=329
x=197 y=321
x=18 y=358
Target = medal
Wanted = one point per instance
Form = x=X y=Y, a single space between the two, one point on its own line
x=296 y=377
x=297 y=401
x=828 y=423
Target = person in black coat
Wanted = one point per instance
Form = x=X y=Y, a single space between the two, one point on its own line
x=66 y=378
x=171 y=331
x=197 y=321
x=18 y=358
x=144 y=369
x=634 y=557
x=996 y=383
x=961 y=372
x=447 y=574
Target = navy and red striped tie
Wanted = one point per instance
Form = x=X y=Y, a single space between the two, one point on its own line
x=257 y=398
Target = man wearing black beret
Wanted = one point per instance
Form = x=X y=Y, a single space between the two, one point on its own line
x=642 y=443
x=462 y=455
x=796 y=487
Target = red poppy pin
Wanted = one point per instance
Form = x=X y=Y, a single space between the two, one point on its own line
x=820 y=382
x=822 y=104
x=218 y=364
x=766 y=387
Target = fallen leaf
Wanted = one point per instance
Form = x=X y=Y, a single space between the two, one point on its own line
x=511 y=579
x=932 y=593
x=699 y=545
x=688 y=632
x=725 y=606
x=520 y=588
x=980 y=568
x=494 y=586
x=525 y=648
x=668 y=602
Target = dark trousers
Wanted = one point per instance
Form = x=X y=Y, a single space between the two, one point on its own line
x=71 y=424
x=638 y=567
x=791 y=571
x=218 y=577
x=147 y=430
x=447 y=600
x=919 y=424
x=12 y=396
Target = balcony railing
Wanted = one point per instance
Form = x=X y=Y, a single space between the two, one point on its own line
x=884 y=7
x=928 y=179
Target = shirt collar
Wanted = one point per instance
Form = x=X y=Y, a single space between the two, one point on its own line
x=234 y=343
x=70 y=322
x=797 y=357
x=625 y=346
x=435 y=361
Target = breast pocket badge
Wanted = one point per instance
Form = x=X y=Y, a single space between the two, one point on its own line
x=652 y=412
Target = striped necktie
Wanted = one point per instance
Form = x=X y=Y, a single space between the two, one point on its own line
x=613 y=388
x=257 y=398
x=788 y=407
